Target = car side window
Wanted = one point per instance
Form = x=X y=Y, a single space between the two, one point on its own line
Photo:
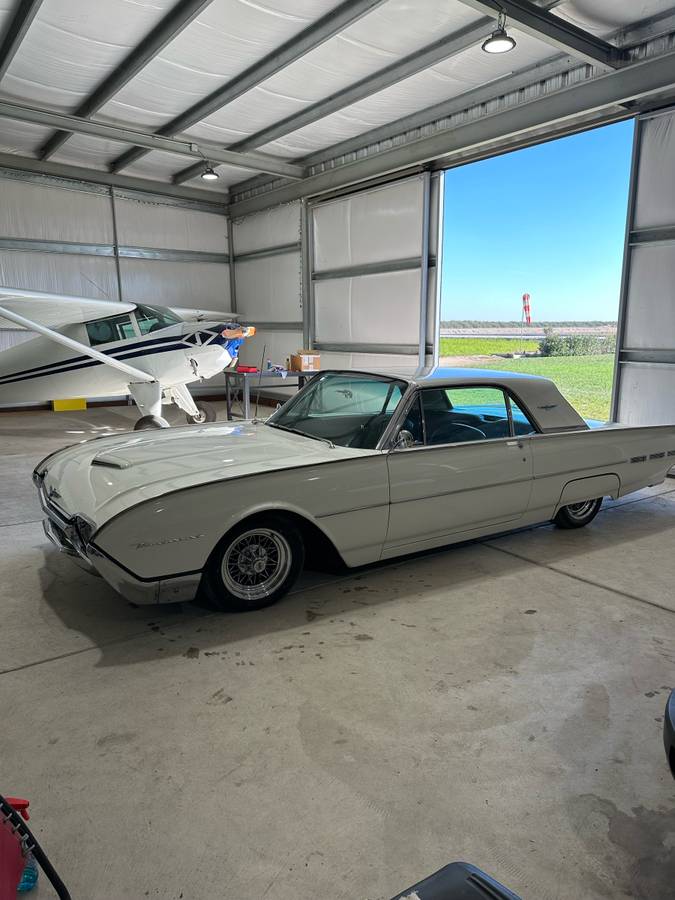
x=521 y=422
x=470 y=414
x=413 y=422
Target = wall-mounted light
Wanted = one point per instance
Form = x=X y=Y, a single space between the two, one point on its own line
x=499 y=41
x=210 y=175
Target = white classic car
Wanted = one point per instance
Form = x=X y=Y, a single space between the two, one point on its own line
x=360 y=465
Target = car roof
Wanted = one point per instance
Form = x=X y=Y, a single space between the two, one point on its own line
x=539 y=396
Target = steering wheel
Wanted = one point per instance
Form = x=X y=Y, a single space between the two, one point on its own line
x=458 y=425
x=363 y=429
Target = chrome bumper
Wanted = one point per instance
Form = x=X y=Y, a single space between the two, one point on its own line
x=63 y=533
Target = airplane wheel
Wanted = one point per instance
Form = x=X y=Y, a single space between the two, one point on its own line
x=146 y=422
x=207 y=413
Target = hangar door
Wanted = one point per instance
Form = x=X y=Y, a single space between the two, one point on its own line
x=268 y=286
x=644 y=384
x=372 y=297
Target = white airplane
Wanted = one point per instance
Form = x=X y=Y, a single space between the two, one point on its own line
x=99 y=348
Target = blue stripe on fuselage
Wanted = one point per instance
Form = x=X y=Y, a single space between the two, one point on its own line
x=144 y=348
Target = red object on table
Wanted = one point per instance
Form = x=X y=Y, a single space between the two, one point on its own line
x=247 y=368
x=12 y=861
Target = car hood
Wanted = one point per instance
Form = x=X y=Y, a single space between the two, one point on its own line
x=102 y=477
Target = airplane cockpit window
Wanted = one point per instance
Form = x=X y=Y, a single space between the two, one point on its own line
x=104 y=331
x=150 y=318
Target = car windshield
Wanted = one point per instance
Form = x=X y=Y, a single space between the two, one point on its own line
x=349 y=409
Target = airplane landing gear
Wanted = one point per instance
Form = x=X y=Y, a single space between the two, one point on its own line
x=146 y=422
x=206 y=413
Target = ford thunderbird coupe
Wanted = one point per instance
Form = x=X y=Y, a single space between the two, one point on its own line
x=358 y=465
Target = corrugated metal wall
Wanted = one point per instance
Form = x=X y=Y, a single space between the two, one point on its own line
x=90 y=241
x=644 y=389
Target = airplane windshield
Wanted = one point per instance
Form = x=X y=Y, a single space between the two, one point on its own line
x=150 y=318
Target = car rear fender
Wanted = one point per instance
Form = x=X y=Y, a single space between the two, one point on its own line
x=580 y=489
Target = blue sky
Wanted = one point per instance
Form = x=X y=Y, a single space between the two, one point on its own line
x=548 y=220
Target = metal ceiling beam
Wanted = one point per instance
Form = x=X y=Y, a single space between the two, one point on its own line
x=19 y=24
x=444 y=48
x=553 y=30
x=175 y=21
x=190 y=172
x=446 y=108
x=595 y=95
x=482 y=94
x=626 y=37
x=315 y=34
x=259 y=162
x=45 y=170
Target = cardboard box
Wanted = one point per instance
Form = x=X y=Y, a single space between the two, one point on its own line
x=305 y=361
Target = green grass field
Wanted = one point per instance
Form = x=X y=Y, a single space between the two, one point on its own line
x=586 y=381
x=470 y=346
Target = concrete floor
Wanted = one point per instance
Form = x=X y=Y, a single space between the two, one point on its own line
x=499 y=702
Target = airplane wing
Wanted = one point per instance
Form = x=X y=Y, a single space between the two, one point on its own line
x=201 y=315
x=7 y=314
x=55 y=310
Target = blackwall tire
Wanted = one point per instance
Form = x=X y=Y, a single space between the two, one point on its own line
x=576 y=515
x=207 y=413
x=254 y=565
x=150 y=422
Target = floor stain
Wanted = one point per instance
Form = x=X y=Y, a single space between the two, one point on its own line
x=115 y=739
x=219 y=698
x=192 y=653
x=645 y=837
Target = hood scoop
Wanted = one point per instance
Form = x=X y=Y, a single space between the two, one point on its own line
x=110 y=462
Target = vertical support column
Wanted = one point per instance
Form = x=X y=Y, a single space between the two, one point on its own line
x=625 y=272
x=116 y=245
x=424 y=269
x=439 y=213
x=232 y=273
x=307 y=257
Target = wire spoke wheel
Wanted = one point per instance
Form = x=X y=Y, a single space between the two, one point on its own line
x=580 y=510
x=256 y=563
x=576 y=515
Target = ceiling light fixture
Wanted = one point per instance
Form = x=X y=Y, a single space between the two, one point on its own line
x=499 y=41
x=210 y=175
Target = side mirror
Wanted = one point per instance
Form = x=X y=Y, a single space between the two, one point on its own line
x=404 y=440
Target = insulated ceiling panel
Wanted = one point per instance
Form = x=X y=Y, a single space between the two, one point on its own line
x=378 y=39
x=86 y=150
x=72 y=45
x=21 y=137
x=443 y=81
x=228 y=37
x=602 y=17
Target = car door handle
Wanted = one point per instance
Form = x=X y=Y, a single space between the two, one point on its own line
x=514 y=444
